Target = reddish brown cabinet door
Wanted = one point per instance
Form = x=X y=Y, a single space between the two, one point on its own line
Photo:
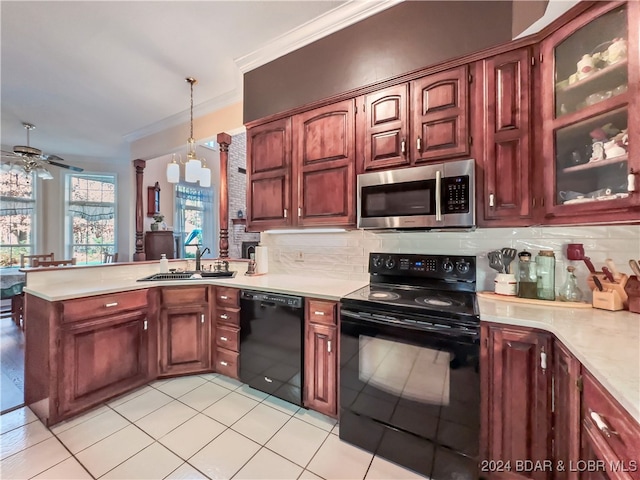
x=518 y=401
x=185 y=339
x=101 y=358
x=507 y=149
x=566 y=411
x=321 y=366
x=440 y=115
x=324 y=165
x=269 y=175
x=384 y=122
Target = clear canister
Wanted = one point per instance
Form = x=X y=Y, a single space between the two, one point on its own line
x=546 y=275
x=527 y=280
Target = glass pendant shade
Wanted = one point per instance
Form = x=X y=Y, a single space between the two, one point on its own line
x=173 y=172
x=205 y=177
x=192 y=170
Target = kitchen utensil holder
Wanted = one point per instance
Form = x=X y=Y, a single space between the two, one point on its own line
x=632 y=289
x=612 y=294
x=505 y=284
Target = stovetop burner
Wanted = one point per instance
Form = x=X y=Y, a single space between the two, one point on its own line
x=438 y=300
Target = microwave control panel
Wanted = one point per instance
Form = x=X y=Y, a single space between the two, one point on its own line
x=456 y=194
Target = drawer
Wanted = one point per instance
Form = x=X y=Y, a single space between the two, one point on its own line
x=612 y=430
x=101 y=305
x=183 y=295
x=228 y=315
x=228 y=337
x=227 y=362
x=227 y=297
x=321 y=311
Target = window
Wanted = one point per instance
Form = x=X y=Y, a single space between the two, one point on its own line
x=91 y=216
x=194 y=218
x=17 y=217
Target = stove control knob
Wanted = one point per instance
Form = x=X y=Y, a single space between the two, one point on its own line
x=390 y=263
x=463 y=267
x=447 y=266
x=377 y=262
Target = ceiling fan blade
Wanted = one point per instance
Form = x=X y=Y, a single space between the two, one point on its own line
x=69 y=167
x=55 y=158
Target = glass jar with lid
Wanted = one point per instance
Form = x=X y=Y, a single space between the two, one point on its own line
x=569 y=292
x=527 y=280
x=546 y=275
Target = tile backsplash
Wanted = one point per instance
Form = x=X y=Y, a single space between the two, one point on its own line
x=345 y=255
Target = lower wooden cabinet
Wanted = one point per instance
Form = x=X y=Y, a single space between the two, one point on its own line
x=516 y=389
x=227 y=331
x=321 y=357
x=184 y=344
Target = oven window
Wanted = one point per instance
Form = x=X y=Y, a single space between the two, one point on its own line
x=399 y=199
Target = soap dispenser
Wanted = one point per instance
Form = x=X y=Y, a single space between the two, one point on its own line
x=164 y=263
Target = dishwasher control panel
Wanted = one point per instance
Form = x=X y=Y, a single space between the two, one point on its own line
x=286 y=300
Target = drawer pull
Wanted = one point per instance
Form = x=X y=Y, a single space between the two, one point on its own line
x=224 y=297
x=223 y=363
x=114 y=304
x=268 y=380
x=224 y=339
x=224 y=316
x=318 y=313
x=602 y=426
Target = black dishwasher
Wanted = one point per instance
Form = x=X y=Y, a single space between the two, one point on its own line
x=271 y=336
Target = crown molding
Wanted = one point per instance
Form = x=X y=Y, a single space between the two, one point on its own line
x=341 y=17
x=181 y=118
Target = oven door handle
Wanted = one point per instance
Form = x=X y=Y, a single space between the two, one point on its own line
x=424 y=326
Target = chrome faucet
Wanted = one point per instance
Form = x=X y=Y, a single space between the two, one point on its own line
x=199 y=254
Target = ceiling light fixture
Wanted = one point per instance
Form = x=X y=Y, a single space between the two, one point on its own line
x=194 y=171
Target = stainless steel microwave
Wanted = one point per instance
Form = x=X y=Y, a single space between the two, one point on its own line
x=438 y=195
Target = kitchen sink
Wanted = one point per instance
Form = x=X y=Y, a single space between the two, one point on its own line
x=157 y=277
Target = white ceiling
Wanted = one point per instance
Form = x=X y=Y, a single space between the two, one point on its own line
x=88 y=74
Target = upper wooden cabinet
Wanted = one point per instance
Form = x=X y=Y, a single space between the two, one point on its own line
x=504 y=116
x=590 y=82
x=309 y=181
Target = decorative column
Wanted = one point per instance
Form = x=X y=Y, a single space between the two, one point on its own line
x=224 y=140
x=139 y=254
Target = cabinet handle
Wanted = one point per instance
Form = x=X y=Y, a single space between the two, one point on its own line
x=144 y=325
x=329 y=346
x=224 y=297
x=299 y=211
x=223 y=363
x=284 y=213
x=403 y=146
x=268 y=380
x=318 y=313
x=224 y=316
x=543 y=361
x=631 y=181
x=202 y=318
x=600 y=423
x=224 y=339
x=114 y=304
x=492 y=200
x=419 y=144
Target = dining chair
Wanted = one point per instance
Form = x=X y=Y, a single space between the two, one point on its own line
x=110 y=257
x=54 y=263
x=31 y=259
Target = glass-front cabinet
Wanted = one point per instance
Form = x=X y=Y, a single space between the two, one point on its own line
x=590 y=115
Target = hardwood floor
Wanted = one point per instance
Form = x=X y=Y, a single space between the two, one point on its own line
x=11 y=364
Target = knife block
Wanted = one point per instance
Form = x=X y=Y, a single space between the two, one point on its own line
x=604 y=300
x=632 y=289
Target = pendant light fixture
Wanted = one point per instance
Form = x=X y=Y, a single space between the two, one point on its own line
x=193 y=167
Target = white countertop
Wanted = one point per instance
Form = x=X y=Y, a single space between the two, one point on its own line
x=606 y=343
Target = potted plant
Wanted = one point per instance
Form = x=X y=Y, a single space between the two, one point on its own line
x=158 y=219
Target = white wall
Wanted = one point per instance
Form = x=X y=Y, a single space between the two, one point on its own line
x=345 y=255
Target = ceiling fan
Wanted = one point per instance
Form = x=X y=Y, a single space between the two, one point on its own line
x=28 y=159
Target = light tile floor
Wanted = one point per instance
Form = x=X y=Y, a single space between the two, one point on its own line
x=196 y=427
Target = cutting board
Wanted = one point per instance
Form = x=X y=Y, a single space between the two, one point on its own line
x=532 y=301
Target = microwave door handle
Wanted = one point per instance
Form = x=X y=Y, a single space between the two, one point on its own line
x=438 y=196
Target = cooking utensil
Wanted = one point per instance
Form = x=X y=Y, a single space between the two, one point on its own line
x=596 y=280
x=587 y=262
x=635 y=268
x=612 y=266
x=508 y=255
x=495 y=261
x=608 y=274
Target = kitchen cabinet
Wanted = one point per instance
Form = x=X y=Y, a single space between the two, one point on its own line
x=516 y=389
x=567 y=385
x=184 y=330
x=505 y=85
x=227 y=331
x=610 y=436
x=321 y=357
x=302 y=170
x=157 y=243
x=590 y=115
x=269 y=175
x=85 y=351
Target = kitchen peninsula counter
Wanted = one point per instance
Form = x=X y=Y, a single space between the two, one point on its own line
x=606 y=343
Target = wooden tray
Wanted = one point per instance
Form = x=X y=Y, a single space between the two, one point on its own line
x=532 y=301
